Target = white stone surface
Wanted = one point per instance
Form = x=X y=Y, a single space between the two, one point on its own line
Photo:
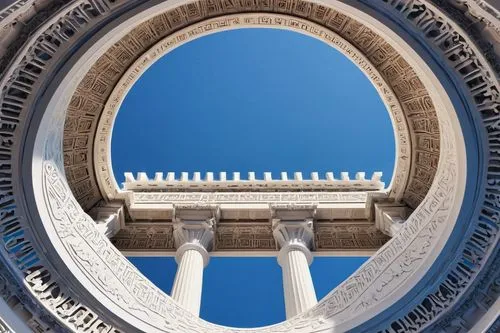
x=295 y=238
x=155 y=205
x=109 y=219
x=195 y=181
x=297 y=281
x=193 y=240
x=188 y=281
x=390 y=217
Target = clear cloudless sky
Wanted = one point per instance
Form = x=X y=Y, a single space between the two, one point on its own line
x=252 y=100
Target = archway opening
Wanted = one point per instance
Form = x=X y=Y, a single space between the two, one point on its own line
x=259 y=100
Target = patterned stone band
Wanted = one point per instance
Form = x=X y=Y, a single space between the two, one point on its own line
x=101 y=91
x=444 y=260
x=102 y=144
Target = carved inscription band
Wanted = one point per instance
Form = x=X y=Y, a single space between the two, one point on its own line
x=103 y=273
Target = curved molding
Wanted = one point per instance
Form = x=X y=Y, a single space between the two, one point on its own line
x=81 y=280
x=88 y=101
x=102 y=142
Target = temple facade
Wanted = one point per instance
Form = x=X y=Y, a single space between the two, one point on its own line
x=66 y=225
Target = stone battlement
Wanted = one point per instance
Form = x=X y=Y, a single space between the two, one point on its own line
x=235 y=182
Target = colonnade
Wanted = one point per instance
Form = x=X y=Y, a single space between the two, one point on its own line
x=293 y=232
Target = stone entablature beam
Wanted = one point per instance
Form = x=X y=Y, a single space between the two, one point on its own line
x=151 y=206
x=445 y=42
x=208 y=183
x=293 y=231
x=252 y=238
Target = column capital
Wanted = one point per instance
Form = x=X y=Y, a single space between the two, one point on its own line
x=293 y=229
x=194 y=229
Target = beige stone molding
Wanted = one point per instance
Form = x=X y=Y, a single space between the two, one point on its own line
x=151 y=206
x=102 y=141
x=249 y=238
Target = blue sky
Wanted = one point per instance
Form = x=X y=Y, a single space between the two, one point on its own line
x=252 y=100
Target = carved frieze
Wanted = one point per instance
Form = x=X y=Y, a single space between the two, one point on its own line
x=244 y=236
x=145 y=237
x=408 y=103
x=250 y=236
x=139 y=198
x=393 y=266
x=333 y=236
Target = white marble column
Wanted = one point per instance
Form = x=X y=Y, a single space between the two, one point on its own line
x=295 y=239
x=193 y=240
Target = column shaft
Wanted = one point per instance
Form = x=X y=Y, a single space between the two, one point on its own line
x=188 y=281
x=297 y=283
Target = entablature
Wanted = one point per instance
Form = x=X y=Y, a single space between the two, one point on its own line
x=150 y=206
x=252 y=238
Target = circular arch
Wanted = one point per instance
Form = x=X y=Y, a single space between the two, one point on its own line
x=415 y=122
x=102 y=140
x=458 y=210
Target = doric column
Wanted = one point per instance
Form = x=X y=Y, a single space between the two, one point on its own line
x=293 y=231
x=193 y=235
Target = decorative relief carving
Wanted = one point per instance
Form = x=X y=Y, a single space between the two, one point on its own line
x=248 y=197
x=403 y=255
x=331 y=236
x=244 y=236
x=484 y=229
x=147 y=237
x=251 y=236
x=79 y=255
x=389 y=268
x=22 y=255
x=400 y=257
x=479 y=19
x=119 y=57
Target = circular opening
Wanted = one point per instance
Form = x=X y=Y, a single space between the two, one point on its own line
x=48 y=145
x=253 y=100
x=260 y=100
